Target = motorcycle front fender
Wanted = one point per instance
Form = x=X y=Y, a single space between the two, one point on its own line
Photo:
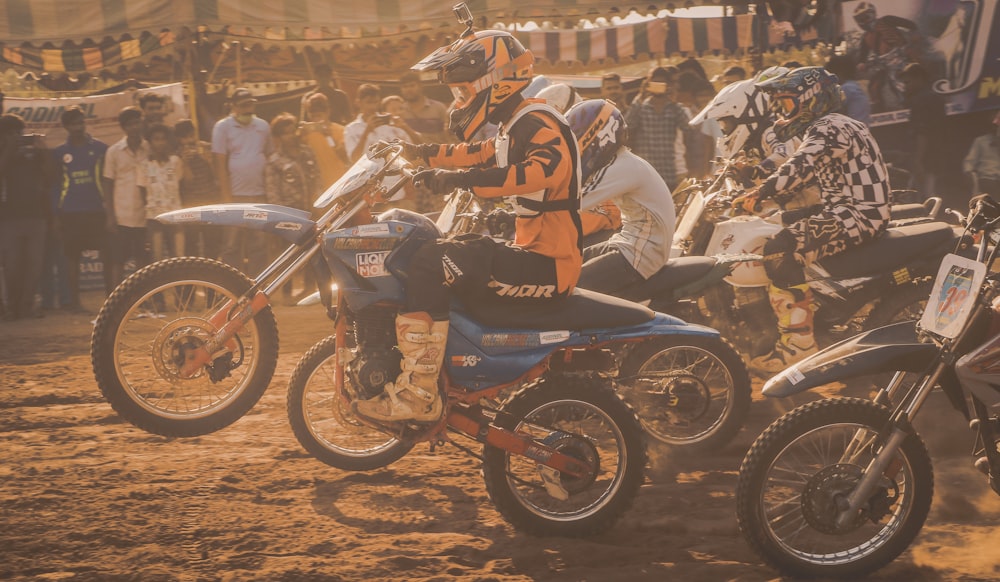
x=295 y=226
x=893 y=348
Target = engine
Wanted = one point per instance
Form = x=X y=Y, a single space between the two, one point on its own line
x=378 y=359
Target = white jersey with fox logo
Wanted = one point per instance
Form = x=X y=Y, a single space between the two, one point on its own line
x=647 y=208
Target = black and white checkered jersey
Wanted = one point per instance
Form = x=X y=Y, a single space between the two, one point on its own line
x=839 y=155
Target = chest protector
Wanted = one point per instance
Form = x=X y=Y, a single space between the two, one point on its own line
x=534 y=204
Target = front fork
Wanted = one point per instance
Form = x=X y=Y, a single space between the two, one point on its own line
x=883 y=464
x=229 y=323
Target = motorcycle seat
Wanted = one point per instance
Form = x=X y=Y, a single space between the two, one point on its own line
x=580 y=310
x=888 y=252
x=676 y=273
x=904 y=211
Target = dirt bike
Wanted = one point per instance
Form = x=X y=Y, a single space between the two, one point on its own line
x=691 y=392
x=864 y=287
x=840 y=487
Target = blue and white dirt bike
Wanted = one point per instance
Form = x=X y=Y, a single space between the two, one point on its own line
x=187 y=346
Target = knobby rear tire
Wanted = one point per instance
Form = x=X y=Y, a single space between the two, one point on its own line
x=584 y=393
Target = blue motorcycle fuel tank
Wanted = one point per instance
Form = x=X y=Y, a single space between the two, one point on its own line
x=368 y=262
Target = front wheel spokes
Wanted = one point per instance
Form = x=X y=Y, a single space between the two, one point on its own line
x=170 y=322
x=804 y=466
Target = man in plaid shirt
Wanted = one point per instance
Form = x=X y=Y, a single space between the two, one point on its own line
x=840 y=156
x=657 y=125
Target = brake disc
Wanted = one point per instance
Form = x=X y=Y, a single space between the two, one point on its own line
x=176 y=343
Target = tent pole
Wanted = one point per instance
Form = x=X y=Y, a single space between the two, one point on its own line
x=218 y=62
x=192 y=87
x=238 y=48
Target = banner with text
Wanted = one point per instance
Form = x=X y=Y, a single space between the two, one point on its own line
x=42 y=115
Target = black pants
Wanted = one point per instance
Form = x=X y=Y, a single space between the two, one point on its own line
x=605 y=270
x=477 y=268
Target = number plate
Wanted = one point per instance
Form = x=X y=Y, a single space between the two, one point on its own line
x=953 y=296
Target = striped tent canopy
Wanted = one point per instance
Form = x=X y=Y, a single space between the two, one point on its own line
x=74 y=36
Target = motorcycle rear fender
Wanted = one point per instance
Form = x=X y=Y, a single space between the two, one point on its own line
x=723 y=268
x=887 y=349
x=480 y=357
x=295 y=226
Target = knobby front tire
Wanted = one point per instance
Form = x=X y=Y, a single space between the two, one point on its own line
x=152 y=321
x=801 y=468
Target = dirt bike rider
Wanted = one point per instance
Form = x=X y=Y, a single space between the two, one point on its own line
x=839 y=155
x=748 y=138
x=533 y=161
x=599 y=220
x=611 y=172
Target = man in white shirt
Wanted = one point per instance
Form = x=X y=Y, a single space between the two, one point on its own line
x=125 y=209
x=370 y=126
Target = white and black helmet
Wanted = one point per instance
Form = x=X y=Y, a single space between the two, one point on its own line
x=741 y=110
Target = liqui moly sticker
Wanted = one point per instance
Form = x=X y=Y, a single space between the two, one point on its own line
x=372 y=229
x=285 y=225
x=372 y=264
x=552 y=337
x=254 y=215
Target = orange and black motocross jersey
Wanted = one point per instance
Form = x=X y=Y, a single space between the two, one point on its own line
x=541 y=163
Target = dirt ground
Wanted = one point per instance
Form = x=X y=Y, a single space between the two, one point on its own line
x=85 y=496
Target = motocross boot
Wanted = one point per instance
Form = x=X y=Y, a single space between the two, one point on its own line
x=793 y=306
x=414 y=395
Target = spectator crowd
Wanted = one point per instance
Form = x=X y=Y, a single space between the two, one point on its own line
x=85 y=195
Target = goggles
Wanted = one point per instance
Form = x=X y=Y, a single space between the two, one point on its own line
x=784 y=105
x=463 y=94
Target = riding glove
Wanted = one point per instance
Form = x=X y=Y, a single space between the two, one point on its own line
x=440 y=181
x=748 y=202
x=501 y=223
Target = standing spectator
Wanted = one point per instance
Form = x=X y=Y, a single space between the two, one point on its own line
x=423 y=114
x=325 y=138
x=339 y=104
x=929 y=129
x=394 y=105
x=691 y=65
x=159 y=183
x=657 y=125
x=982 y=163
x=80 y=212
x=694 y=93
x=154 y=108
x=198 y=187
x=857 y=104
x=25 y=214
x=370 y=126
x=291 y=176
x=241 y=143
x=731 y=75
x=613 y=90
x=125 y=211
